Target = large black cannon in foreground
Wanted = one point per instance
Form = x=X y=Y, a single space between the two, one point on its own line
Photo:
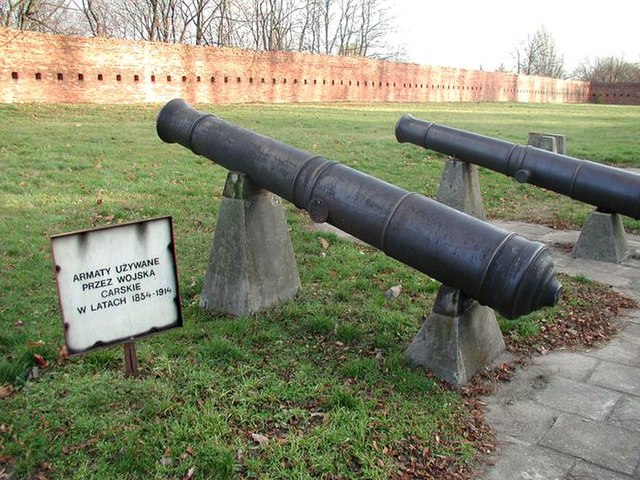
x=500 y=269
x=610 y=189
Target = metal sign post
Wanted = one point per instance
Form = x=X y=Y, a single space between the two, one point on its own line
x=130 y=359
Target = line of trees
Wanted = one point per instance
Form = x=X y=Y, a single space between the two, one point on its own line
x=538 y=55
x=608 y=70
x=339 y=27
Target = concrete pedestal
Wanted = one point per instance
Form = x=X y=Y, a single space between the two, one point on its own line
x=252 y=265
x=602 y=238
x=460 y=188
x=552 y=142
x=459 y=337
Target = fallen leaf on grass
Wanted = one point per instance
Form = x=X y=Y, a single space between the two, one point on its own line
x=5 y=391
x=42 y=363
x=188 y=452
x=43 y=467
x=324 y=243
x=259 y=439
x=35 y=343
x=189 y=474
x=82 y=446
x=583 y=321
x=63 y=355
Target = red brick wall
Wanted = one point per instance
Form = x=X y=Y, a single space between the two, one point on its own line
x=615 y=93
x=48 y=68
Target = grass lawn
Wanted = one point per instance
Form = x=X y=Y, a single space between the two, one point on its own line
x=323 y=377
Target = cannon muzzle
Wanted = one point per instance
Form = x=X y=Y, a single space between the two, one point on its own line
x=500 y=269
x=608 y=188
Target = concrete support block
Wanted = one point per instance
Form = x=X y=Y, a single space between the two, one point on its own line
x=459 y=337
x=460 y=188
x=602 y=238
x=252 y=265
x=553 y=142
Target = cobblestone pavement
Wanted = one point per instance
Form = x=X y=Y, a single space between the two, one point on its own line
x=574 y=415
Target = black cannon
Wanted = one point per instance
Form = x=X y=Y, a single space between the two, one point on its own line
x=610 y=189
x=502 y=270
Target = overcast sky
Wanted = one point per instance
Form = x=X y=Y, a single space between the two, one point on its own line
x=474 y=33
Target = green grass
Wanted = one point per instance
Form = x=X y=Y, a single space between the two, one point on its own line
x=322 y=376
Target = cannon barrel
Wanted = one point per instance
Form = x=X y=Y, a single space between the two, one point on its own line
x=610 y=189
x=502 y=270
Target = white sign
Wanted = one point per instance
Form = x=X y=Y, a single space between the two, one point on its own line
x=116 y=283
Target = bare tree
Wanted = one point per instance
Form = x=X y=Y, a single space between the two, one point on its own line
x=200 y=22
x=215 y=23
x=38 y=15
x=309 y=38
x=99 y=16
x=537 y=55
x=270 y=23
x=322 y=24
x=374 y=28
x=153 y=20
x=18 y=13
x=608 y=70
x=197 y=14
x=8 y=11
x=347 y=27
x=339 y=27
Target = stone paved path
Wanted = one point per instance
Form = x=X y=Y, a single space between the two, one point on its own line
x=574 y=415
